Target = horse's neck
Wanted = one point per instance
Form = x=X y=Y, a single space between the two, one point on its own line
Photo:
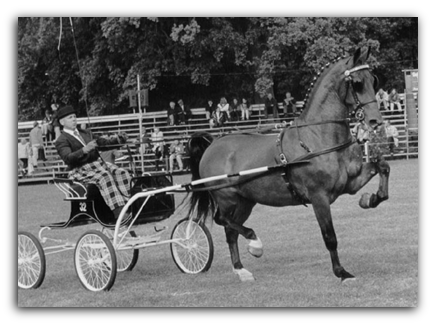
x=325 y=106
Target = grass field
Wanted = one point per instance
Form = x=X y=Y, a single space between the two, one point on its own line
x=378 y=246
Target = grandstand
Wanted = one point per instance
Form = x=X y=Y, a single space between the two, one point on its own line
x=129 y=123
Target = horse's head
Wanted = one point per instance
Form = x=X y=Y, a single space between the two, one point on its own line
x=360 y=87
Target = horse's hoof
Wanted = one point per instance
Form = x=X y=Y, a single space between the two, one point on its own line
x=255 y=248
x=364 y=202
x=348 y=280
x=256 y=252
x=244 y=275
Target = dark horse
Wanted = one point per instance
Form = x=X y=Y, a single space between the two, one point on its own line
x=321 y=136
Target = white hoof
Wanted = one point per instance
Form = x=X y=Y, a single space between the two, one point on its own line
x=255 y=248
x=348 y=281
x=244 y=275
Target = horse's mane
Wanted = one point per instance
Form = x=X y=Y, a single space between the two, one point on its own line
x=317 y=78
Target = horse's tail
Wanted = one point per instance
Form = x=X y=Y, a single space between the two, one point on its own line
x=201 y=202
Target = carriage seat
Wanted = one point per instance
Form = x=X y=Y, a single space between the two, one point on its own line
x=87 y=205
x=76 y=191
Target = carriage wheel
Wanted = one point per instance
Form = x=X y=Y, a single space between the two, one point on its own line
x=95 y=261
x=194 y=251
x=31 y=261
x=125 y=259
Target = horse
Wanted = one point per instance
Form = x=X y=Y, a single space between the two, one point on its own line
x=318 y=159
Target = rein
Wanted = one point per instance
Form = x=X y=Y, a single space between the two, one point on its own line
x=310 y=154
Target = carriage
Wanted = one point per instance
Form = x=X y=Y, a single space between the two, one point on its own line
x=100 y=254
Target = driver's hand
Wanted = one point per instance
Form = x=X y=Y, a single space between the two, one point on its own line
x=90 y=146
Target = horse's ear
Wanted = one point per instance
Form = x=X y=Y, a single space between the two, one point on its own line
x=356 y=56
x=368 y=52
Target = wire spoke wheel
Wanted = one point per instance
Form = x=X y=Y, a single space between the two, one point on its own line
x=31 y=261
x=95 y=261
x=193 y=251
x=125 y=259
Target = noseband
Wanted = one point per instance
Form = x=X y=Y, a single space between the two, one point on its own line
x=359 y=111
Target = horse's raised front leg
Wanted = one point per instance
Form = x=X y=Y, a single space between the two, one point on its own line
x=322 y=209
x=373 y=200
x=368 y=171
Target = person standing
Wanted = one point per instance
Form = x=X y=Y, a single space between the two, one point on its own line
x=47 y=127
x=55 y=120
x=36 y=143
x=24 y=154
x=270 y=107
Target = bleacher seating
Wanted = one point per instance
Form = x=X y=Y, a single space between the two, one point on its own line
x=129 y=123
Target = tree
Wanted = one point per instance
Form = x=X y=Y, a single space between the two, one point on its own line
x=194 y=58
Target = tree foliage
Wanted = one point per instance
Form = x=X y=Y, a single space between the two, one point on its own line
x=93 y=63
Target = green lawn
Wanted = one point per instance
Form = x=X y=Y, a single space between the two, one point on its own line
x=378 y=246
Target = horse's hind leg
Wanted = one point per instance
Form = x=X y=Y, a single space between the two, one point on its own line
x=232 y=219
x=322 y=209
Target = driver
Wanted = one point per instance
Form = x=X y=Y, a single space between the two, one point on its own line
x=79 y=151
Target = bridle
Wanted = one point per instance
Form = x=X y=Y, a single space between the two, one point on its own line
x=359 y=111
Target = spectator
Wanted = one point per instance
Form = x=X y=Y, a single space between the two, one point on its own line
x=158 y=145
x=245 y=108
x=394 y=100
x=219 y=118
x=234 y=110
x=47 y=127
x=289 y=106
x=144 y=143
x=36 y=143
x=223 y=106
x=24 y=154
x=78 y=150
x=55 y=120
x=176 y=151
x=172 y=114
x=184 y=114
x=392 y=136
x=360 y=132
x=270 y=107
x=382 y=99
x=209 y=108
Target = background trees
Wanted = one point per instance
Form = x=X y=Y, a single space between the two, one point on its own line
x=194 y=58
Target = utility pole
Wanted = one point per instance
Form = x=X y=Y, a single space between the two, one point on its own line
x=140 y=124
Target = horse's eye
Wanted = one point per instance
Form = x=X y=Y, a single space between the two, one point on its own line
x=358 y=86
